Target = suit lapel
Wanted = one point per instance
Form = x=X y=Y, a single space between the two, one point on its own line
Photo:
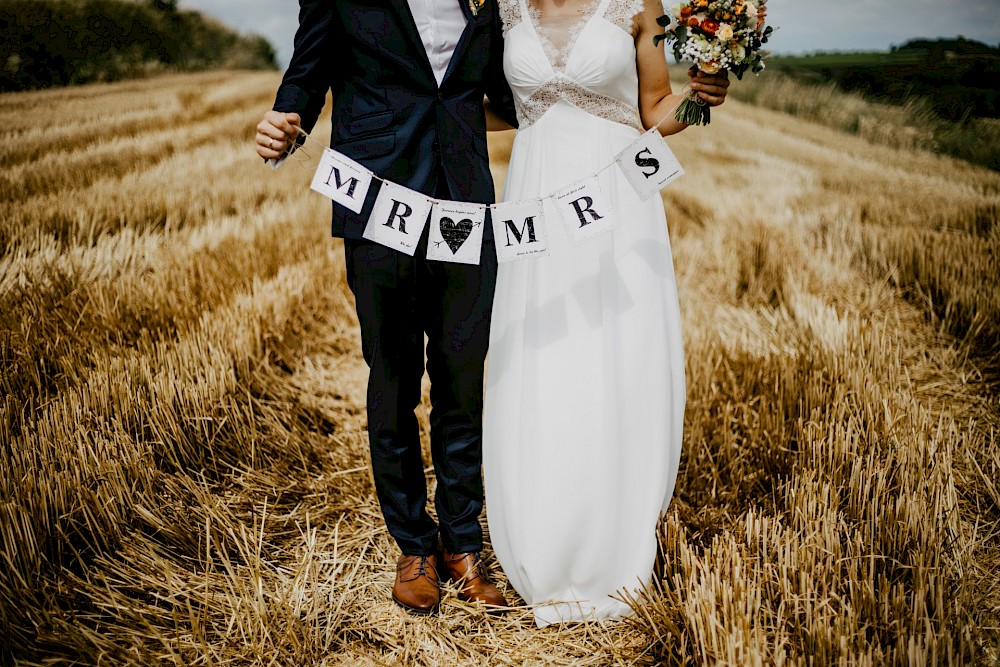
x=402 y=8
x=463 y=42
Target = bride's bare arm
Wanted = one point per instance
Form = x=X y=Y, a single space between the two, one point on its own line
x=656 y=99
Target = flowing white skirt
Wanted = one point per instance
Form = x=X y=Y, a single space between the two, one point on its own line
x=585 y=385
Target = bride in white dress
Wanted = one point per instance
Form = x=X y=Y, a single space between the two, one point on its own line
x=585 y=378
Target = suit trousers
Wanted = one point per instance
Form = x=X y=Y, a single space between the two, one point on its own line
x=399 y=299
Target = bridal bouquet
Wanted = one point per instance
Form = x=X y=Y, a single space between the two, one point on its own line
x=717 y=35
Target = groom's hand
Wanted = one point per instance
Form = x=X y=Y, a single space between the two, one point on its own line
x=712 y=88
x=275 y=133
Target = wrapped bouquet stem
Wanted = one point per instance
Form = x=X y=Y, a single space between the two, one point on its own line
x=716 y=35
x=693 y=110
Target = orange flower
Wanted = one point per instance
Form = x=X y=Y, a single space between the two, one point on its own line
x=692 y=22
x=709 y=26
x=685 y=13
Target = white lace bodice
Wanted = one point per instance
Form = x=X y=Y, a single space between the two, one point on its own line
x=587 y=61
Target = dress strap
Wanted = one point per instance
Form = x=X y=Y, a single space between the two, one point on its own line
x=603 y=7
x=621 y=12
x=512 y=12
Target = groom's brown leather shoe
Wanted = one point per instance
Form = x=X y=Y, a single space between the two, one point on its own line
x=469 y=572
x=416 y=586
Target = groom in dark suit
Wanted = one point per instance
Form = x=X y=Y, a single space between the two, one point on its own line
x=408 y=79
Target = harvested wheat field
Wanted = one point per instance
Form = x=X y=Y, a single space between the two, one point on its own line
x=184 y=477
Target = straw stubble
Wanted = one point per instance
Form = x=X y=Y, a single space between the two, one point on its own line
x=185 y=469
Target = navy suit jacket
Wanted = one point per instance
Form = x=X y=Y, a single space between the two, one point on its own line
x=389 y=113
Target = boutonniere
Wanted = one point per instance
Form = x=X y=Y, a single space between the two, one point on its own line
x=476 y=5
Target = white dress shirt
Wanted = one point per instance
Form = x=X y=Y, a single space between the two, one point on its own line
x=441 y=24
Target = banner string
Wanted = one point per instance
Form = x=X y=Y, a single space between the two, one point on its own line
x=288 y=152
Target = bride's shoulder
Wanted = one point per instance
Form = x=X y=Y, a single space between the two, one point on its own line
x=624 y=13
x=510 y=13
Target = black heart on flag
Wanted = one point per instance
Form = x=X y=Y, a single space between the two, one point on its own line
x=455 y=233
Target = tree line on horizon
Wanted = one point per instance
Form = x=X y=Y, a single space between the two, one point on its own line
x=65 y=42
x=958 y=78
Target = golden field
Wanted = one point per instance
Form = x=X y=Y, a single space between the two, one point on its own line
x=183 y=457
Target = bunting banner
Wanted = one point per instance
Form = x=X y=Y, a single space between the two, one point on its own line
x=342 y=179
x=518 y=230
x=649 y=164
x=398 y=218
x=456 y=229
x=585 y=209
x=456 y=233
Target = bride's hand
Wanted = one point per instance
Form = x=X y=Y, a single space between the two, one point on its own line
x=712 y=88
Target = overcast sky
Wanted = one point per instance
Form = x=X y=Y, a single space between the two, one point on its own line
x=804 y=26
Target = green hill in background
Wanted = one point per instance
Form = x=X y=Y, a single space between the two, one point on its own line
x=62 y=42
x=958 y=78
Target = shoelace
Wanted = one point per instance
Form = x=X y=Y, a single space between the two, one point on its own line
x=422 y=569
x=477 y=571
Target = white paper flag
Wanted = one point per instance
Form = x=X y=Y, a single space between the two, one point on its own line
x=519 y=230
x=398 y=218
x=456 y=233
x=649 y=164
x=586 y=209
x=342 y=179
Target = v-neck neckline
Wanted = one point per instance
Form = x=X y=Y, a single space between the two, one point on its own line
x=552 y=52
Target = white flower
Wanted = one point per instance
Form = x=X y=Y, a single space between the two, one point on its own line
x=707 y=54
x=751 y=11
x=725 y=32
x=676 y=11
x=737 y=52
